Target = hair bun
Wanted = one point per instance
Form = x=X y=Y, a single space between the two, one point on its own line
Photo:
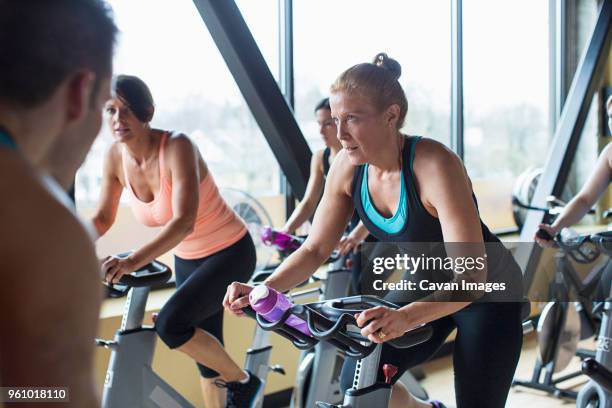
x=382 y=60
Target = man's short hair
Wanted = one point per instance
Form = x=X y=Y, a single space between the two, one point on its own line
x=43 y=41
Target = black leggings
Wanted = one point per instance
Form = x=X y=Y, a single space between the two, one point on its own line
x=201 y=285
x=486 y=352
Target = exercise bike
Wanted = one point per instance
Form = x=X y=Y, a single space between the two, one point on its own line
x=318 y=374
x=597 y=393
x=568 y=317
x=333 y=322
x=130 y=380
x=318 y=369
x=258 y=354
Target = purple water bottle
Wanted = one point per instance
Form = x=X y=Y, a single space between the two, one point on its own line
x=271 y=305
x=282 y=241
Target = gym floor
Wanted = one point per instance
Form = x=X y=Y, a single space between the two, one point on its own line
x=439 y=379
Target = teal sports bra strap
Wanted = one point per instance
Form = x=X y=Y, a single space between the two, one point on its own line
x=6 y=140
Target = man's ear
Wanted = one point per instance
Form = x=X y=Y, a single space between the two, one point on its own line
x=392 y=114
x=150 y=113
x=79 y=92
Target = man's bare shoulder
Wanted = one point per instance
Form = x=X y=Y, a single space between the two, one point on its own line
x=37 y=230
x=50 y=285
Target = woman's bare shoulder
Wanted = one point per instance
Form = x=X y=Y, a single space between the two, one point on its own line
x=341 y=173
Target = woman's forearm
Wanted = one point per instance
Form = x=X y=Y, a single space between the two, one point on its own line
x=575 y=210
x=102 y=226
x=360 y=232
x=295 y=269
x=170 y=236
x=301 y=213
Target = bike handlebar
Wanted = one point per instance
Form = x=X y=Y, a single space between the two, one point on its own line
x=152 y=274
x=330 y=320
x=577 y=247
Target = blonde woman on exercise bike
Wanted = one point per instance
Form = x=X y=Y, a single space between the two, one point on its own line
x=594 y=187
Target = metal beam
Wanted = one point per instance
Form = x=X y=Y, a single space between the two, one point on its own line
x=561 y=51
x=558 y=57
x=457 y=77
x=259 y=89
x=285 y=52
x=567 y=135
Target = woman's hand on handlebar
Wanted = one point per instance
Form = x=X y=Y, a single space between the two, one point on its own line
x=114 y=268
x=347 y=244
x=237 y=297
x=543 y=241
x=352 y=241
x=380 y=324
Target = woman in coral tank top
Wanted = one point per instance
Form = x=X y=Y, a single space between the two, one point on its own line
x=170 y=186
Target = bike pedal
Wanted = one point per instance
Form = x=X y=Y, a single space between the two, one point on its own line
x=277 y=369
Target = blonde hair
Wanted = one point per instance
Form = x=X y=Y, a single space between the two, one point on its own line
x=377 y=81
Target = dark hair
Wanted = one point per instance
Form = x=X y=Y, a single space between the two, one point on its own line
x=377 y=81
x=136 y=95
x=323 y=104
x=44 y=41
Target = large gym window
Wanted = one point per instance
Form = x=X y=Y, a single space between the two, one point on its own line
x=261 y=17
x=331 y=36
x=173 y=52
x=506 y=90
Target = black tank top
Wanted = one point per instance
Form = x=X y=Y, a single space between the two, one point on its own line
x=354 y=218
x=326 y=154
x=420 y=225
